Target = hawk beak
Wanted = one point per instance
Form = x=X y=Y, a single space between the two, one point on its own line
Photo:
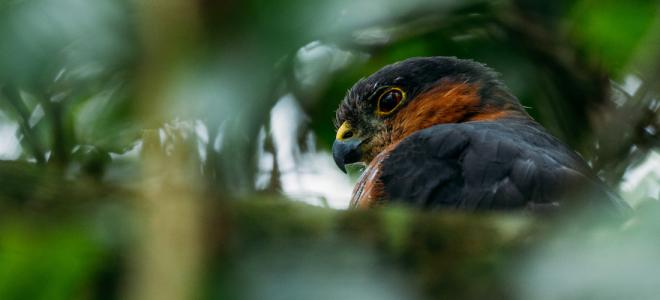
x=346 y=152
x=346 y=148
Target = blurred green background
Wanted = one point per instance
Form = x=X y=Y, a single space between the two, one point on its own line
x=179 y=149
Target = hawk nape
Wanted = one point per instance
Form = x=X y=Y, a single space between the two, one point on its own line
x=445 y=133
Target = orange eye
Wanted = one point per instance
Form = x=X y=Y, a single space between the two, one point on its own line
x=389 y=101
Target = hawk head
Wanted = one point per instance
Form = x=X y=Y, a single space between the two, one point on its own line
x=417 y=93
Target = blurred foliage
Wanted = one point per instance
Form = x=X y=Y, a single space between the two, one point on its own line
x=29 y=272
x=133 y=135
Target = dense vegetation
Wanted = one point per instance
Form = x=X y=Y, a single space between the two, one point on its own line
x=148 y=149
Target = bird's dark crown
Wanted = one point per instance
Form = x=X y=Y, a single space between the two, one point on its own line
x=419 y=74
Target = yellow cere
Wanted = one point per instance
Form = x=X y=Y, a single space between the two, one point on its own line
x=343 y=129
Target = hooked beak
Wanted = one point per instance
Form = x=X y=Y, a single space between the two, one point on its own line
x=346 y=152
x=346 y=148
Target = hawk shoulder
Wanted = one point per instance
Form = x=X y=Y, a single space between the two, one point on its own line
x=485 y=165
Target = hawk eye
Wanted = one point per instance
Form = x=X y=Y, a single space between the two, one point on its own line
x=389 y=101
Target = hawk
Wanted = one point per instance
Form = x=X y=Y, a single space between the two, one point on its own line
x=442 y=133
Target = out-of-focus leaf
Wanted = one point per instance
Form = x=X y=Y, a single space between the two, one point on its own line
x=45 y=262
x=612 y=30
x=40 y=37
x=105 y=120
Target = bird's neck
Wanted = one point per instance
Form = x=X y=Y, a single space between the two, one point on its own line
x=450 y=102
